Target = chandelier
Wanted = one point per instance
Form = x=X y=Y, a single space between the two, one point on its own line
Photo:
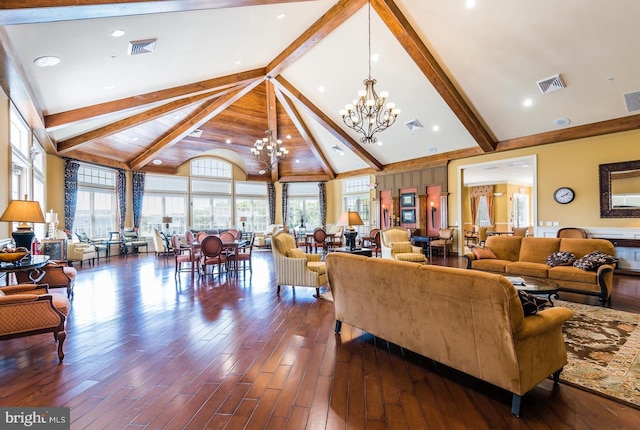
x=269 y=150
x=368 y=114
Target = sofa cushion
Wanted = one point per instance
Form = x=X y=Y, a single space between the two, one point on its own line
x=526 y=268
x=582 y=247
x=490 y=265
x=594 y=260
x=317 y=266
x=570 y=273
x=401 y=247
x=411 y=256
x=481 y=253
x=532 y=304
x=537 y=249
x=561 y=258
x=296 y=253
x=505 y=248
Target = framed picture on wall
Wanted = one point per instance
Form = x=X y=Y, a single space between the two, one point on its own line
x=407 y=200
x=408 y=216
x=56 y=249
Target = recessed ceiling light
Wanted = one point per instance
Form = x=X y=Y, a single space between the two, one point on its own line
x=375 y=57
x=561 y=122
x=527 y=103
x=135 y=139
x=321 y=88
x=238 y=62
x=297 y=161
x=228 y=141
x=282 y=16
x=117 y=33
x=379 y=142
x=435 y=128
x=470 y=4
x=262 y=172
x=110 y=87
x=432 y=150
x=157 y=162
x=46 y=61
x=288 y=136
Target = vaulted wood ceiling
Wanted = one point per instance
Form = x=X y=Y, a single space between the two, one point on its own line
x=439 y=62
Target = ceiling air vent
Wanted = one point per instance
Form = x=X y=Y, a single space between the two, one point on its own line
x=196 y=133
x=551 y=84
x=141 y=46
x=633 y=101
x=413 y=125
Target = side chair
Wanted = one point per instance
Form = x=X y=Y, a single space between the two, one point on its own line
x=184 y=254
x=444 y=241
x=212 y=252
x=243 y=255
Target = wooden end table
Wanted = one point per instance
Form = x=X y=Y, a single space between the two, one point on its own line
x=532 y=285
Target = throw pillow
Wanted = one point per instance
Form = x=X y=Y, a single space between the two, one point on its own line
x=401 y=247
x=481 y=253
x=592 y=261
x=563 y=258
x=1 y=293
x=532 y=304
x=296 y=253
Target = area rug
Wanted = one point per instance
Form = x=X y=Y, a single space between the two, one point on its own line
x=603 y=347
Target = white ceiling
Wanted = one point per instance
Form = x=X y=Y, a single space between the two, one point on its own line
x=493 y=53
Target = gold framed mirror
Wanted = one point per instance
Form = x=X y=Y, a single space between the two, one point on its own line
x=620 y=190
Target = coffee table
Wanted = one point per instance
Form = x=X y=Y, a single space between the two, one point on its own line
x=358 y=251
x=535 y=286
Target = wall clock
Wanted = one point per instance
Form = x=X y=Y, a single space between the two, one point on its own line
x=564 y=195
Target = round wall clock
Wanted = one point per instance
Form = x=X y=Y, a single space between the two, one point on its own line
x=564 y=195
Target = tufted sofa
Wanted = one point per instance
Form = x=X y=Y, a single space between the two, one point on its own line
x=28 y=309
x=468 y=320
x=527 y=256
x=395 y=245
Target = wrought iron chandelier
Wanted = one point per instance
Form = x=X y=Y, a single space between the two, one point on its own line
x=269 y=150
x=368 y=114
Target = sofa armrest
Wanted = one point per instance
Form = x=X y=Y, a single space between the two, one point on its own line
x=468 y=258
x=25 y=289
x=313 y=257
x=543 y=321
x=416 y=249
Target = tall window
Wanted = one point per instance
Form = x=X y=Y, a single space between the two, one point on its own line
x=251 y=206
x=211 y=167
x=96 y=208
x=356 y=198
x=210 y=203
x=303 y=205
x=164 y=197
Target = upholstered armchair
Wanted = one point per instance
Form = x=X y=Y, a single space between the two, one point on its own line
x=294 y=267
x=57 y=274
x=132 y=242
x=263 y=238
x=28 y=309
x=444 y=241
x=395 y=245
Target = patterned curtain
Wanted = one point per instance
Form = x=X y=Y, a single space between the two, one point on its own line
x=285 y=202
x=137 y=184
x=271 y=198
x=70 y=192
x=121 y=197
x=474 y=195
x=322 y=195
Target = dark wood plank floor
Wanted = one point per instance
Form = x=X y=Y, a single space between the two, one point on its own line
x=148 y=350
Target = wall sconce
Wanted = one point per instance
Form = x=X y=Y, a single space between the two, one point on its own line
x=498 y=194
x=433 y=214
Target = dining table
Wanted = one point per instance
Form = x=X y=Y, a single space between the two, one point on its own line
x=230 y=247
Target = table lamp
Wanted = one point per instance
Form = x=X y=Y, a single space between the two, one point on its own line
x=243 y=219
x=348 y=220
x=23 y=211
x=51 y=219
x=167 y=220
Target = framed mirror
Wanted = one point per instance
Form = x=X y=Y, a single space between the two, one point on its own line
x=620 y=190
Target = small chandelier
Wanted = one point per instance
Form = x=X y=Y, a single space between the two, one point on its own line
x=269 y=150
x=368 y=114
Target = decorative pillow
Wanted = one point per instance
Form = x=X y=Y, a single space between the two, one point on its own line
x=481 y=253
x=532 y=304
x=1 y=293
x=592 y=261
x=296 y=253
x=563 y=258
x=400 y=247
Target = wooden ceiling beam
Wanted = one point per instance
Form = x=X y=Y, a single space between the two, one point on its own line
x=305 y=133
x=132 y=121
x=99 y=160
x=34 y=11
x=306 y=178
x=336 y=16
x=216 y=84
x=398 y=24
x=209 y=110
x=327 y=123
x=272 y=123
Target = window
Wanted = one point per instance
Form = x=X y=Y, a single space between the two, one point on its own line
x=164 y=196
x=96 y=210
x=252 y=204
x=211 y=212
x=303 y=206
x=356 y=197
x=211 y=167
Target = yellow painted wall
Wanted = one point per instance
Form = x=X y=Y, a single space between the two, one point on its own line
x=5 y=164
x=573 y=164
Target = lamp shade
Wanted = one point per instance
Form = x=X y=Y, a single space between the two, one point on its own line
x=243 y=219
x=167 y=219
x=23 y=211
x=349 y=219
x=51 y=217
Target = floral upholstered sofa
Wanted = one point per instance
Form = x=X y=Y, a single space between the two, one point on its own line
x=582 y=266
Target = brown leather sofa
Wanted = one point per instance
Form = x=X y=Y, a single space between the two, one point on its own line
x=469 y=320
x=527 y=256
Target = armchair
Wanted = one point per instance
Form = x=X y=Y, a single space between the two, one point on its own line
x=132 y=242
x=395 y=245
x=264 y=238
x=294 y=267
x=28 y=309
x=444 y=241
x=58 y=274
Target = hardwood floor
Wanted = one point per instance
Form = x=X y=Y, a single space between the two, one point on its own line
x=147 y=349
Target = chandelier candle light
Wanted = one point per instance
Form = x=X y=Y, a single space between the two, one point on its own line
x=269 y=150
x=368 y=114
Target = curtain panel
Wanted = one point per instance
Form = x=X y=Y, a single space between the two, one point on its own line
x=137 y=184
x=475 y=193
x=121 y=197
x=70 y=192
x=285 y=202
x=271 y=197
x=322 y=195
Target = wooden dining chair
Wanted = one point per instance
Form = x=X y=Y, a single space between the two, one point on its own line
x=184 y=254
x=212 y=251
x=243 y=255
x=319 y=239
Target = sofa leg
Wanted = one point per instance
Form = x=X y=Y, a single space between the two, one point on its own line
x=317 y=296
x=62 y=335
x=338 y=326
x=278 y=289
x=556 y=375
x=515 y=405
